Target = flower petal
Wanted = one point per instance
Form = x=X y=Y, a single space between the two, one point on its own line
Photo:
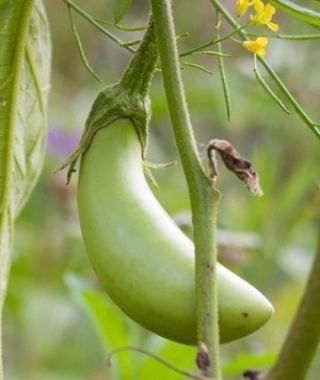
x=242 y=7
x=269 y=10
x=262 y=41
x=256 y=46
x=258 y=6
x=273 y=26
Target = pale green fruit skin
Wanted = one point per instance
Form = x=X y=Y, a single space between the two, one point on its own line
x=142 y=258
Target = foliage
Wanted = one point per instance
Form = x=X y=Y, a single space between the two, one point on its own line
x=24 y=85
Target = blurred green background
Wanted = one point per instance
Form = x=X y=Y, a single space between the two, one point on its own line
x=58 y=323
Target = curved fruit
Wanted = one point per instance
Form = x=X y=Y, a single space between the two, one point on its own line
x=143 y=259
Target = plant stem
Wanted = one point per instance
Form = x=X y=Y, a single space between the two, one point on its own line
x=165 y=363
x=222 y=72
x=303 y=337
x=203 y=199
x=123 y=28
x=213 y=41
x=137 y=76
x=82 y=54
x=288 y=37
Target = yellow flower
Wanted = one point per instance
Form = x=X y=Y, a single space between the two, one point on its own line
x=257 y=46
x=242 y=7
x=264 y=15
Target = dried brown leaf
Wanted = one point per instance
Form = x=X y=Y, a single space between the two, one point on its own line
x=241 y=167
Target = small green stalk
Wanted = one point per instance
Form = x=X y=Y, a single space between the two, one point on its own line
x=214 y=41
x=203 y=199
x=96 y=24
x=128 y=98
x=303 y=337
x=137 y=77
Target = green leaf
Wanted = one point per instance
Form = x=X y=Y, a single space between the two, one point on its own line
x=24 y=77
x=301 y=13
x=24 y=85
x=120 y=10
x=111 y=326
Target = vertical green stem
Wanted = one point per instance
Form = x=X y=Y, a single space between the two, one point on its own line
x=203 y=199
x=137 y=76
x=303 y=337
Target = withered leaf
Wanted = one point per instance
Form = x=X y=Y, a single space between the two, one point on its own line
x=232 y=159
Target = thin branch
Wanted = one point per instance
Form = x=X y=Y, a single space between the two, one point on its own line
x=222 y=72
x=171 y=366
x=131 y=43
x=212 y=52
x=123 y=28
x=289 y=37
x=80 y=48
x=92 y=21
x=267 y=88
x=196 y=66
x=213 y=41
